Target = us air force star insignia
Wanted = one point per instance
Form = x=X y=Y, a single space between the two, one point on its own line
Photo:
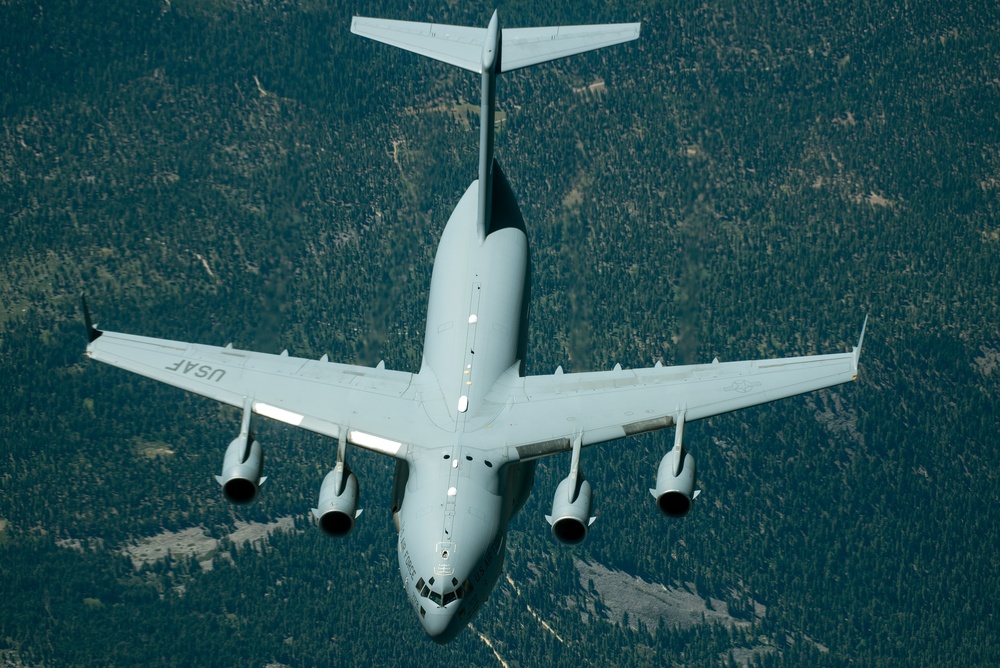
x=742 y=386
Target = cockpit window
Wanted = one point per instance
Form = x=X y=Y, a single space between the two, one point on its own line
x=459 y=592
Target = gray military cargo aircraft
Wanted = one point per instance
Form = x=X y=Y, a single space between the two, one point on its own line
x=467 y=429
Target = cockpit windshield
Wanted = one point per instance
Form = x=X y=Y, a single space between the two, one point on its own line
x=454 y=591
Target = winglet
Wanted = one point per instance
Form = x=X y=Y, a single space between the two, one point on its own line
x=92 y=332
x=857 y=348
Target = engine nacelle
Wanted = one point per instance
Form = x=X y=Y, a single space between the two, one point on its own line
x=675 y=491
x=241 y=469
x=338 y=502
x=570 y=518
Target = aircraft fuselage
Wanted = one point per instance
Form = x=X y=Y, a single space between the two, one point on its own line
x=458 y=500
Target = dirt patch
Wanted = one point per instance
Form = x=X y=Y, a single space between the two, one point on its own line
x=616 y=593
x=255 y=532
x=874 y=199
x=622 y=593
x=151 y=449
x=835 y=415
x=195 y=542
x=988 y=363
x=10 y=658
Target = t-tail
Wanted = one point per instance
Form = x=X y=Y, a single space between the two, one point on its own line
x=491 y=51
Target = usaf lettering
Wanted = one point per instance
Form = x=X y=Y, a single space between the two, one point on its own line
x=200 y=370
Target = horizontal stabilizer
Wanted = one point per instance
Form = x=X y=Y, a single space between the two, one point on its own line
x=455 y=45
x=521 y=47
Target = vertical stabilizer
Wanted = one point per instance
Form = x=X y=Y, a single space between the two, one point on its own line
x=487 y=121
x=489 y=52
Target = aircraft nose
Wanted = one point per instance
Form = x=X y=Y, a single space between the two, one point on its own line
x=439 y=625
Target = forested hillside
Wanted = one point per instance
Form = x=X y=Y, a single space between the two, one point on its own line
x=749 y=179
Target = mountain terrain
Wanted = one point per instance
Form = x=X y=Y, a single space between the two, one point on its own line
x=749 y=179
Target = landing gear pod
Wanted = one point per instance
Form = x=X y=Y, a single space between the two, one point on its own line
x=400 y=478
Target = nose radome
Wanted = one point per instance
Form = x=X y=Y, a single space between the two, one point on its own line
x=438 y=625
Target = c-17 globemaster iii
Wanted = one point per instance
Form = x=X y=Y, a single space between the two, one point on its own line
x=466 y=430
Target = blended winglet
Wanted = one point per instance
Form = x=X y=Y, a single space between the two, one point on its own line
x=857 y=348
x=92 y=332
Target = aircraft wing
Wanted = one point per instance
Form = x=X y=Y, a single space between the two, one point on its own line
x=376 y=407
x=545 y=413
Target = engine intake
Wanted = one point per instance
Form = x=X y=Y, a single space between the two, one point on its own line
x=338 y=502
x=675 y=491
x=241 y=467
x=570 y=518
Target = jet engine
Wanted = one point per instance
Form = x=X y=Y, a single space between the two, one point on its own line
x=338 y=502
x=570 y=518
x=675 y=491
x=241 y=469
